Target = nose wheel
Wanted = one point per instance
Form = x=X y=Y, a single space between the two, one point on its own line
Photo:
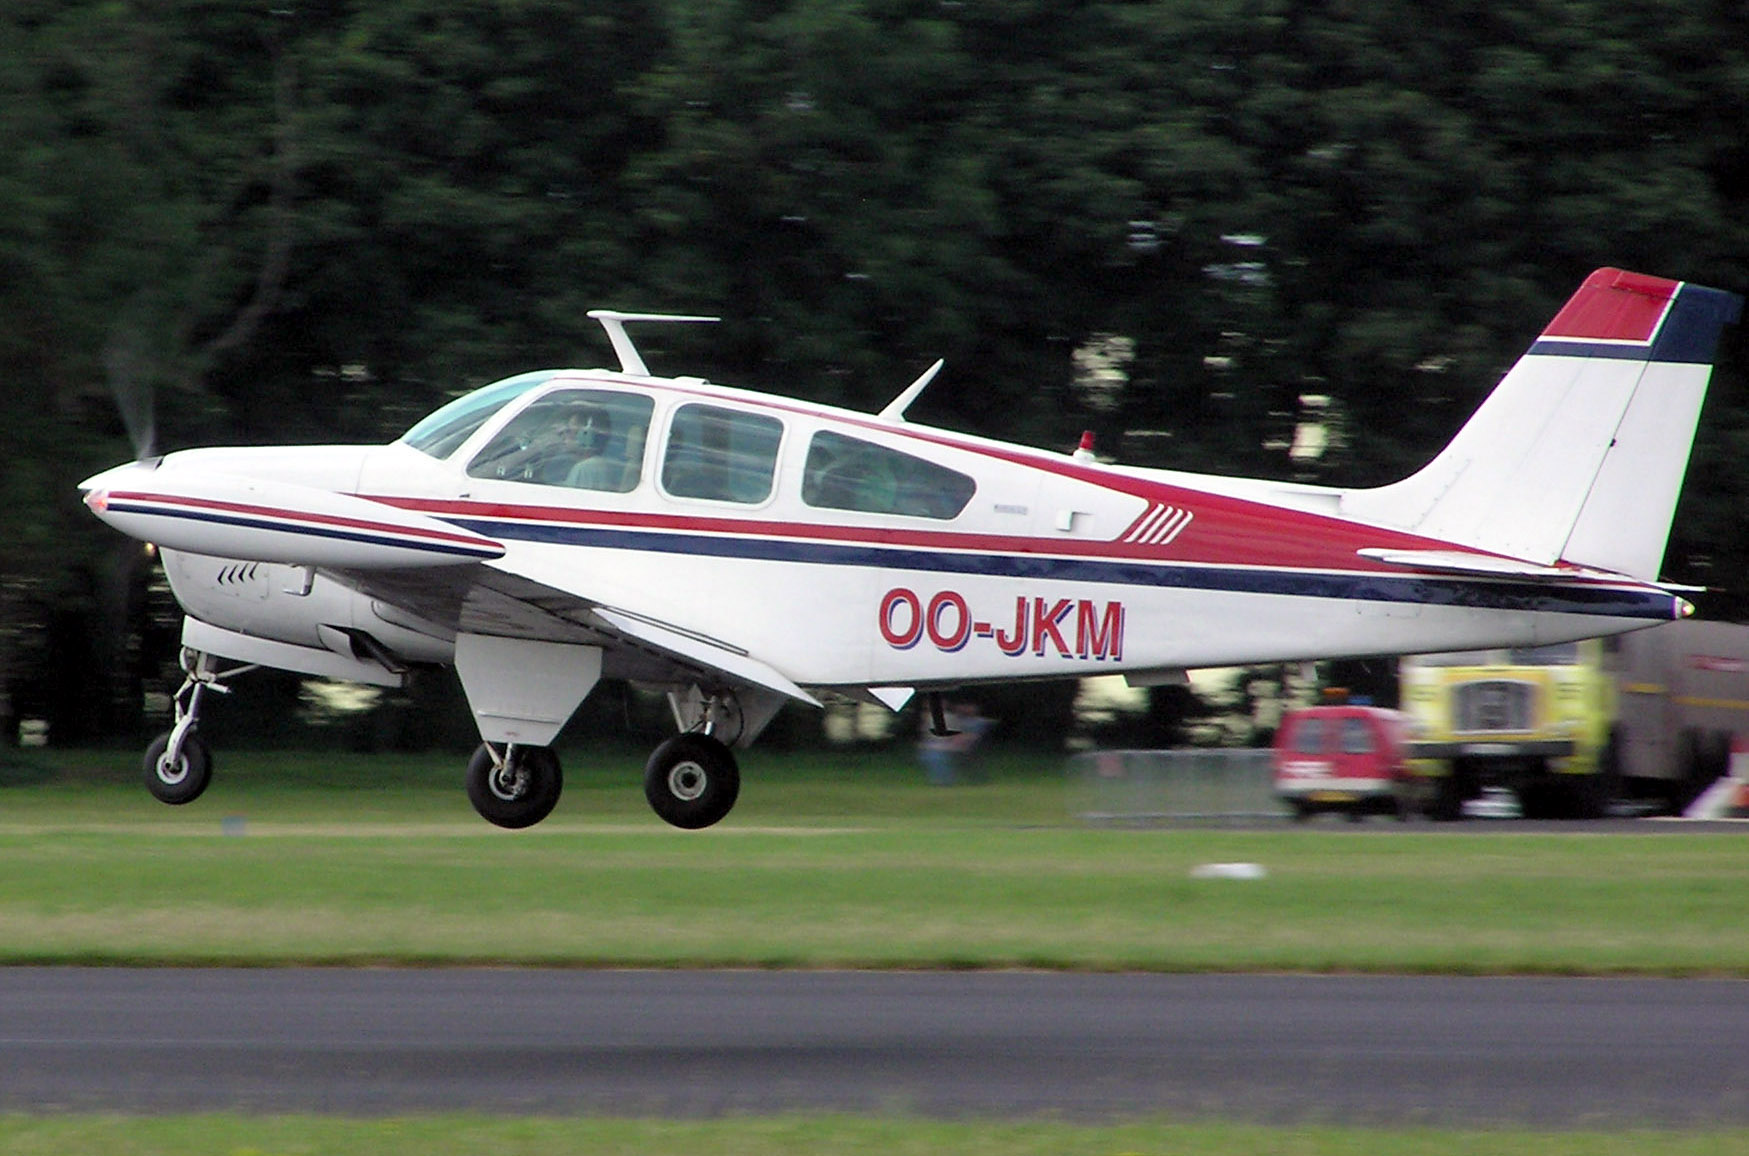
x=178 y=778
x=691 y=781
x=516 y=787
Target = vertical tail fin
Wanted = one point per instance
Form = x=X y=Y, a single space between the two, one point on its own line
x=1579 y=453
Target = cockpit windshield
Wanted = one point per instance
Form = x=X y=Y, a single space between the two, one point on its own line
x=443 y=432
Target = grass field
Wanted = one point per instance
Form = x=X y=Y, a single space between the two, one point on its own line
x=799 y=1136
x=834 y=861
x=294 y=859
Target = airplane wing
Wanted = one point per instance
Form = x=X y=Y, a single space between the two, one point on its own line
x=687 y=647
x=511 y=603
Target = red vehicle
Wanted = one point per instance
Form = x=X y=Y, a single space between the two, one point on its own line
x=1342 y=758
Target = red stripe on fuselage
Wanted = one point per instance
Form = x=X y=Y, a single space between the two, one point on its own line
x=242 y=508
x=1230 y=532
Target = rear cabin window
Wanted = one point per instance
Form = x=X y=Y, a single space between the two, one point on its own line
x=587 y=439
x=722 y=455
x=844 y=473
x=1309 y=737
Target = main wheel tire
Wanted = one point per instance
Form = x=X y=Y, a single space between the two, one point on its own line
x=691 y=781
x=184 y=780
x=518 y=794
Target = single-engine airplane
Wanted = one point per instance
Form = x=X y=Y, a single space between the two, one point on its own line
x=743 y=550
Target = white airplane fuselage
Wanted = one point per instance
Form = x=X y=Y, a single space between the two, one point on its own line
x=1054 y=568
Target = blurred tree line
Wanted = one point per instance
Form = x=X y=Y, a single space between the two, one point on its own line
x=1184 y=224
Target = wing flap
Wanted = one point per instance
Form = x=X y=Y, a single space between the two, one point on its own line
x=701 y=649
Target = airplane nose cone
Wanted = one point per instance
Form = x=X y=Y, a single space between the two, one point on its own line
x=109 y=479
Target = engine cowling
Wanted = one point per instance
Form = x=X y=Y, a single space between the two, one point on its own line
x=301 y=607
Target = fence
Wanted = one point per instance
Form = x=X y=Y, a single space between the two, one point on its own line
x=1150 y=786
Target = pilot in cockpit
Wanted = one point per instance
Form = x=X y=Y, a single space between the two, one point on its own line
x=547 y=454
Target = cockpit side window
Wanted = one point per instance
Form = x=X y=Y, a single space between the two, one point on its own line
x=844 y=473
x=590 y=439
x=723 y=455
x=441 y=433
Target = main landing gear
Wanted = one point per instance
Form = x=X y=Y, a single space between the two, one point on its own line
x=691 y=781
x=515 y=787
x=178 y=765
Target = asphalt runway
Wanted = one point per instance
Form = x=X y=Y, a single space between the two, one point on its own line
x=1283 y=1049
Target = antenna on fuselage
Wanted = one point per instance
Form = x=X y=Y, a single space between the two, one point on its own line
x=614 y=322
x=895 y=410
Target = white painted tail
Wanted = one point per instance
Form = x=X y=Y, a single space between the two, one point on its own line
x=1579 y=453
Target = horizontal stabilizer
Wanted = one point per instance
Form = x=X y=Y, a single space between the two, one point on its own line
x=1458 y=562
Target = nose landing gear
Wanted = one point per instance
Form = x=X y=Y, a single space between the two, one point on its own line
x=178 y=765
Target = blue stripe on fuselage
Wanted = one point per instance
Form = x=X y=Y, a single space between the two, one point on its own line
x=306 y=529
x=1486 y=594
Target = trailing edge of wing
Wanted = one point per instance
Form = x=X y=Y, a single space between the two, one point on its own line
x=1458 y=562
x=700 y=649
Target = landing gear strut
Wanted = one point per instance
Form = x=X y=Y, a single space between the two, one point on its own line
x=516 y=787
x=178 y=766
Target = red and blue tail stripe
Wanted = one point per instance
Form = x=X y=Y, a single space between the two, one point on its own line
x=1633 y=317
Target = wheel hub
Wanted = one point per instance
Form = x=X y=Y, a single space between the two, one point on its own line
x=509 y=782
x=687 y=781
x=171 y=772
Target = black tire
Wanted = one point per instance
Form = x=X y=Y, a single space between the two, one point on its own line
x=183 y=782
x=521 y=793
x=691 y=781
